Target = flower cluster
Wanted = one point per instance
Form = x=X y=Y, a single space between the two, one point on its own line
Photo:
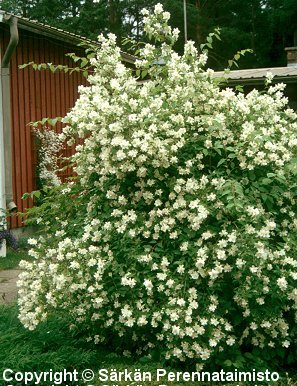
x=156 y=25
x=179 y=233
x=50 y=144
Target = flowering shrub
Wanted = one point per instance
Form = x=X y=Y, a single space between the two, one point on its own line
x=179 y=234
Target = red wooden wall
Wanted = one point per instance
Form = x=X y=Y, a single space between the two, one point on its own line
x=34 y=95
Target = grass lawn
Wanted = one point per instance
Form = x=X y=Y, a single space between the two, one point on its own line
x=13 y=258
x=51 y=346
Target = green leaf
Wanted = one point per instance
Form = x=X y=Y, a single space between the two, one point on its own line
x=239 y=88
x=84 y=62
x=75 y=58
x=221 y=161
x=36 y=194
x=228 y=363
x=54 y=121
x=264 y=197
x=252 y=175
x=238 y=189
x=143 y=74
x=91 y=55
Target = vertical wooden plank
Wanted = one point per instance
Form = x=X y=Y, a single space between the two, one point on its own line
x=26 y=127
x=34 y=106
x=42 y=79
x=16 y=132
x=47 y=85
x=63 y=105
x=71 y=79
x=22 y=121
x=67 y=80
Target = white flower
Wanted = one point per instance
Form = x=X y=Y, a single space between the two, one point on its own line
x=213 y=343
x=175 y=330
x=286 y=344
x=148 y=284
x=282 y=283
x=269 y=77
x=230 y=341
x=32 y=241
x=158 y=8
x=128 y=281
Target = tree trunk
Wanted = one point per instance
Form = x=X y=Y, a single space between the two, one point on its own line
x=115 y=18
x=198 y=32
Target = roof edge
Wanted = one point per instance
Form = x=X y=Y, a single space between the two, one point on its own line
x=257 y=76
x=57 y=33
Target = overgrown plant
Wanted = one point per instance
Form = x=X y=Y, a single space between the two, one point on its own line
x=178 y=236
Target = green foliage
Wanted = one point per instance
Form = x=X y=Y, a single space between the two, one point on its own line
x=237 y=56
x=209 y=40
x=84 y=67
x=50 y=347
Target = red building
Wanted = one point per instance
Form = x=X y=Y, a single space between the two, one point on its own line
x=29 y=95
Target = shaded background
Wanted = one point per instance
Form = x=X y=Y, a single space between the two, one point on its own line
x=266 y=26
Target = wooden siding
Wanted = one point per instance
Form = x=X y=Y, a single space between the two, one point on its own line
x=35 y=95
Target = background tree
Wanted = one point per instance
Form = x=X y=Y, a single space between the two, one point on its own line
x=282 y=19
x=266 y=26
